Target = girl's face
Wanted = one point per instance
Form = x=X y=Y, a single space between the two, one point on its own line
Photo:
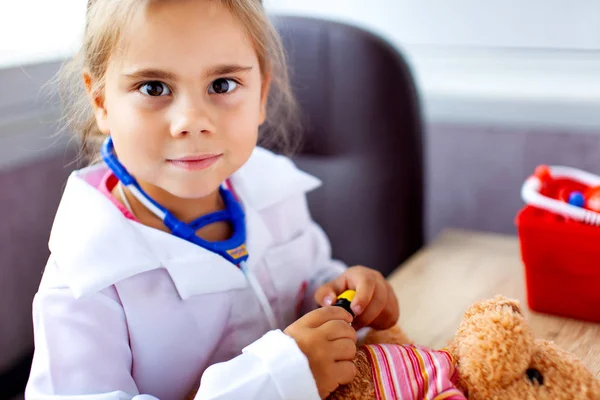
x=184 y=98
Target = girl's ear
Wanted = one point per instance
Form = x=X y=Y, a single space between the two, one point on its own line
x=97 y=101
x=264 y=97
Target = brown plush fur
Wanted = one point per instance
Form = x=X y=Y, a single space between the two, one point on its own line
x=494 y=349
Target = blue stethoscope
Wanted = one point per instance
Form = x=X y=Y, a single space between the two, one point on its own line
x=232 y=249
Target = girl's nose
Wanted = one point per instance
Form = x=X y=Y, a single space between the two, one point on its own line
x=191 y=117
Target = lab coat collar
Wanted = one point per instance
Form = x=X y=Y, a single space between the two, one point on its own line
x=95 y=246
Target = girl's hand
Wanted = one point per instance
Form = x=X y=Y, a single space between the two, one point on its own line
x=375 y=303
x=329 y=343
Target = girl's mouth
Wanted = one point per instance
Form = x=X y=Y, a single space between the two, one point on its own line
x=195 y=163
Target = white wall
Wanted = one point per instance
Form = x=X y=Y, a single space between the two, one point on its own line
x=548 y=24
x=39 y=30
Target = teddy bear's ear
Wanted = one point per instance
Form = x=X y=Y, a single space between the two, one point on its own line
x=497 y=303
x=494 y=344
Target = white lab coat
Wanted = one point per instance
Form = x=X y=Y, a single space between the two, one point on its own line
x=126 y=311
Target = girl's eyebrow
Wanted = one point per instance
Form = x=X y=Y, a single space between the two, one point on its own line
x=152 y=73
x=227 y=69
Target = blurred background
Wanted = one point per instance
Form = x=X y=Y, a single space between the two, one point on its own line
x=501 y=87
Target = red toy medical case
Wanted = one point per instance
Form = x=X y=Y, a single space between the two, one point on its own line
x=559 y=237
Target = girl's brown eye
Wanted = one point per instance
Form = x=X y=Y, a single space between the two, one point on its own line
x=155 y=89
x=222 y=86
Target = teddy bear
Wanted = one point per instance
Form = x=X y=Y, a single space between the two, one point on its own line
x=494 y=355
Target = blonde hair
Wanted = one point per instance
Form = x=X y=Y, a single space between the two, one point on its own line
x=105 y=23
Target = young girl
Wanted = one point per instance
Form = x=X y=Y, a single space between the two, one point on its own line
x=150 y=290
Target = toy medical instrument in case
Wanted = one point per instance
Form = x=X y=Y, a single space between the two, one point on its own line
x=559 y=236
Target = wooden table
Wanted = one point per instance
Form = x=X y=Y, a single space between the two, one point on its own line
x=436 y=285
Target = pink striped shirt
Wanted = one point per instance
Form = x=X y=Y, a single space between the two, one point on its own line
x=412 y=372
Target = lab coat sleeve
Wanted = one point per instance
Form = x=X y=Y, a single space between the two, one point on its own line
x=81 y=349
x=272 y=367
